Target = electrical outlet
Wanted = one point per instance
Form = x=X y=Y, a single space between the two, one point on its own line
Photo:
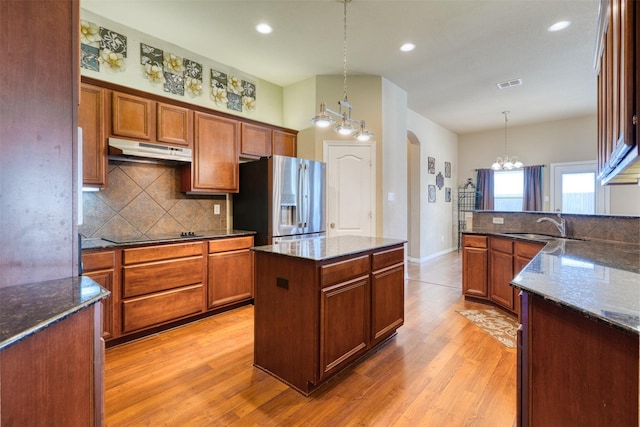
x=498 y=220
x=216 y=209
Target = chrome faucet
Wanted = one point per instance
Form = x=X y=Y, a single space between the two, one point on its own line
x=561 y=226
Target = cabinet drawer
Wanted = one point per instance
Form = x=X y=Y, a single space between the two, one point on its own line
x=386 y=258
x=232 y=244
x=470 y=241
x=502 y=245
x=98 y=261
x=159 y=276
x=341 y=271
x=527 y=250
x=154 y=309
x=158 y=253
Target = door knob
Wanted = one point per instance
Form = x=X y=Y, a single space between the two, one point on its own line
x=332 y=225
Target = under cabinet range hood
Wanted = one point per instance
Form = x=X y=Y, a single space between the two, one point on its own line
x=123 y=149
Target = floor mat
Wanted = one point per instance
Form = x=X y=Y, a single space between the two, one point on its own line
x=498 y=325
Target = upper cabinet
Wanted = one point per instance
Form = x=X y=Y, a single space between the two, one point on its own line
x=618 y=92
x=255 y=141
x=215 y=167
x=94 y=141
x=143 y=119
x=284 y=143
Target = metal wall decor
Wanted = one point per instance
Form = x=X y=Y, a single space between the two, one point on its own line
x=104 y=49
x=431 y=163
x=447 y=194
x=432 y=193
x=440 y=180
x=447 y=169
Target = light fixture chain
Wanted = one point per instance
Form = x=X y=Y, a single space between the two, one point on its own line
x=505 y=134
x=344 y=50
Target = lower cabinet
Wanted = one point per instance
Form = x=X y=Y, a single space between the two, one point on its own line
x=501 y=272
x=156 y=285
x=161 y=284
x=489 y=264
x=387 y=293
x=230 y=271
x=101 y=267
x=474 y=265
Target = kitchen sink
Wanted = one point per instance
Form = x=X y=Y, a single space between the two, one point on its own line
x=533 y=236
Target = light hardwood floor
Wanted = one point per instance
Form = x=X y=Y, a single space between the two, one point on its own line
x=439 y=370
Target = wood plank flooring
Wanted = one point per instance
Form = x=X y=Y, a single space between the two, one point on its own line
x=439 y=370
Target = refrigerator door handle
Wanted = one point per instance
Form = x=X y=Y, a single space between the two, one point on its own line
x=300 y=196
x=306 y=195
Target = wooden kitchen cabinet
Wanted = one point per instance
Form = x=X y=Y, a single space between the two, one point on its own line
x=523 y=253
x=215 y=167
x=617 y=53
x=132 y=117
x=344 y=313
x=501 y=271
x=101 y=267
x=230 y=271
x=94 y=140
x=255 y=141
x=387 y=293
x=161 y=284
x=574 y=370
x=285 y=143
x=475 y=265
x=174 y=125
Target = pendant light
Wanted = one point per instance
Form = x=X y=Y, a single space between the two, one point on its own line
x=506 y=162
x=346 y=123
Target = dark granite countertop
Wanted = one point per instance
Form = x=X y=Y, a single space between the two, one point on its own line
x=29 y=308
x=598 y=278
x=120 y=241
x=324 y=248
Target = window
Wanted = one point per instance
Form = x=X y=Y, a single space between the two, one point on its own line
x=508 y=190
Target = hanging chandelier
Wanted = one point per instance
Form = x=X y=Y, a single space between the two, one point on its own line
x=345 y=125
x=506 y=162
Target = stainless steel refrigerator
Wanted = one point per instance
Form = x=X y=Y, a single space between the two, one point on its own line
x=281 y=198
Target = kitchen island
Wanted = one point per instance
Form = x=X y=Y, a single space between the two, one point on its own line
x=321 y=304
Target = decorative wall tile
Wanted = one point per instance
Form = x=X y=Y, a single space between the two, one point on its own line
x=89 y=56
x=219 y=88
x=112 y=41
x=432 y=193
x=447 y=194
x=147 y=202
x=152 y=60
x=431 y=165
x=173 y=83
x=440 y=180
x=234 y=101
x=447 y=169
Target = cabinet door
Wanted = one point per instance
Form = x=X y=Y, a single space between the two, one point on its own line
x=105 y=279
x=387 y=301
x=131 y=116
x=501 y=273
x=344 y=323
x=174 y=125
x=474 y=272
x=230 y=277
x=94 y=141
x=255 y=141
x=215 y=166
x=284 y=143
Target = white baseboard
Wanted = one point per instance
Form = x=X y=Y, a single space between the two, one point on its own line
x=432 y=256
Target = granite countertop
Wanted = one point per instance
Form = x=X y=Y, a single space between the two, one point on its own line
x=598 y=278
x=29 y=308
x=324 y=248
x=119 y=241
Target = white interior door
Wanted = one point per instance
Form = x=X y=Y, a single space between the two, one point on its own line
x=351 y=178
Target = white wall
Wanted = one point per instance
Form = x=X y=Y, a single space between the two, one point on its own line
x=394 y=161
x=437 y=231
x=541 y=144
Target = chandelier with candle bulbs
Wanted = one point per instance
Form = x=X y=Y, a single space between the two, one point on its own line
x=345 y=125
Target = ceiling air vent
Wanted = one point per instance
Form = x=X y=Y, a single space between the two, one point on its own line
x=509 y=83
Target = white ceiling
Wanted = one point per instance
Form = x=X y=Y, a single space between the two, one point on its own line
x=464 y=47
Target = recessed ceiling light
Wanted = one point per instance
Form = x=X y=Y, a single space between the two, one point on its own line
x=558 y=26
x=264 y=28
x=407 y=47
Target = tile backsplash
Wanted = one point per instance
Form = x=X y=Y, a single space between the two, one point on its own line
x=145 y=199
